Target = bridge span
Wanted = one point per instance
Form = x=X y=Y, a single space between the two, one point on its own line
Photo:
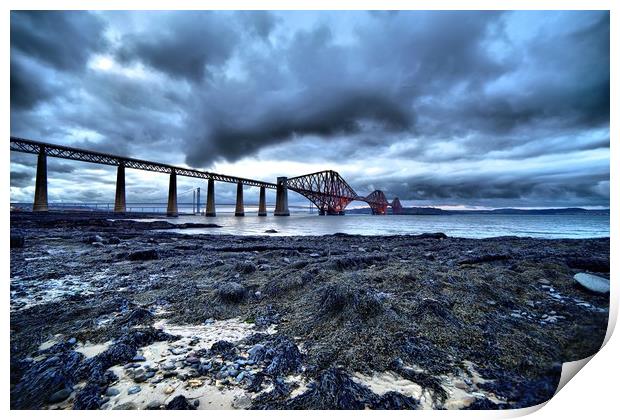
x=327 y=190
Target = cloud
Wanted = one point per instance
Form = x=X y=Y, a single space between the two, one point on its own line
x=420 y=104
x=186 y=45
x=63 y=39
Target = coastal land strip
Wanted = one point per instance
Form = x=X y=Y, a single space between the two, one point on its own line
x=109 y=312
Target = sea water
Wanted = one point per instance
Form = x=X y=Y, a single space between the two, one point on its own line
x=456 y=225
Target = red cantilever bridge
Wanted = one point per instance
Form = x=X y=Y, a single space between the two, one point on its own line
x=327 y=190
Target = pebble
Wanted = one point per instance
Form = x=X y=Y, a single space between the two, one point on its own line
x=72 y=340
x=242 y=401
x=168 y=366
x=153 y=405
x=125 y=406
x=169 y=390
x=139 y=359
x=112 y=392
x=287 y=260
x=194 y=383
x=134 y=390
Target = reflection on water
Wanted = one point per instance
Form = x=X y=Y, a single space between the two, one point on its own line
x=458 y=225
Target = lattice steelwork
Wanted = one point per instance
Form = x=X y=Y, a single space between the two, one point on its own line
x=377 y=202
x=326 y=189
x=397 y=208
x=65 y=152
x=331 y=193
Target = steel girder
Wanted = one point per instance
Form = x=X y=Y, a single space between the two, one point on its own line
x=377 y=202
x=326 y=189
x=332 y=194
x=65 y=152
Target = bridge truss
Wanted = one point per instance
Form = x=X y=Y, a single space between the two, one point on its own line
x=65 y=152
x=332 y=194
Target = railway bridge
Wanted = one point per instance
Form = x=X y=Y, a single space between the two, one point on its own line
x=327 y=190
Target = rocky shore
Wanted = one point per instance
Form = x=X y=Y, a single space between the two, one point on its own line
x=122 y=314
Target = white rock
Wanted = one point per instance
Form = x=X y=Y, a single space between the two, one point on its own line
x=593 y=283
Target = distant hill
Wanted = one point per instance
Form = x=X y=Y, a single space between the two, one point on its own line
x=435 y=211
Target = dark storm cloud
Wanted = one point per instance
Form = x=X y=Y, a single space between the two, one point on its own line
x=338 y=112
x=186 y=45
x=44 y=42
x=403 y=88
x=64 y=39
x=21 y=179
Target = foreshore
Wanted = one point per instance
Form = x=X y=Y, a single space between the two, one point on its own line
x=123 y=314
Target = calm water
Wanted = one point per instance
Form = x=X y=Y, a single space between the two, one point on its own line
x=465 y=226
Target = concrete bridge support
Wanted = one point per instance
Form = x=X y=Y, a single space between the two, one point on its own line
x=173 y=210
x=262 y=204
x=281 y=198
x=239 y=210
x=210 y=209
x=119 y=199
x=40 y=188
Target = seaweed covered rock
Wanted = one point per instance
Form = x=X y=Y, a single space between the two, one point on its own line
x=89 y=398
x=223 y=348
x=122 y=351
x=231 y=292
x=143 y=255
x=351 y=300
x=138 y=316
x=245 y=267
x=43 y=379
x=179 y=403
x=333 y=389
x=395 y=401
x=285 y=357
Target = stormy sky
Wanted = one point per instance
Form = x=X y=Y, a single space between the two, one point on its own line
x=489 y=109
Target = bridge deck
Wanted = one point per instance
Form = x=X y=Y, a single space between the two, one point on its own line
x=65 y=152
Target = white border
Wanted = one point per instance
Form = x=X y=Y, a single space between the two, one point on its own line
x=592 y=394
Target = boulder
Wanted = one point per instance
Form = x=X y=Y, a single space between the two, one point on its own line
x=180 y=403
x=144 y=255
x=592 y=283
x=232 y=292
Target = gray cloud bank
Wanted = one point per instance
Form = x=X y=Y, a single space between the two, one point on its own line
x=441 y=99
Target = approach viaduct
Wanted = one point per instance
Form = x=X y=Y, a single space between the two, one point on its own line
x=327 y=190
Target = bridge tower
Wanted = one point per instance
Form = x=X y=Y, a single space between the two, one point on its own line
x=119 y=199
x=239 y=210
x=210 y=209
x=281 y=197
x=262 y=203
x=40 y=189
x=173 y=210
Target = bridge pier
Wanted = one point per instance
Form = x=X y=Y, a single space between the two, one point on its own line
x=40 y=188
x=262 y=203
x=173 y=210
x=119 y=199
x=281 y=198
x=210 y=209
x=239 y=210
